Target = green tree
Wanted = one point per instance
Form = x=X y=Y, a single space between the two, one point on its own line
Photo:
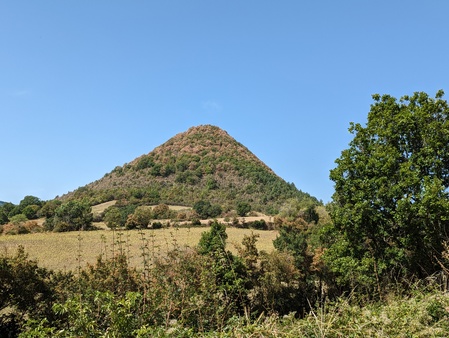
x=205 y=209
x=213 y=240
x=391 y=207
x=3 y=216
x=229 y=270
x=73 y=215
x=27 y=291
x=30 y=200
x=18 y=219
x=143 y=215
x=294 y=240
x=243 y=208
x=49 y=208
x=31 y=211
x=117 y=215
x=161 y=211
x=113 y=217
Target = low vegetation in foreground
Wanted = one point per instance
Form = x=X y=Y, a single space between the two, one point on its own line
x=206 y=291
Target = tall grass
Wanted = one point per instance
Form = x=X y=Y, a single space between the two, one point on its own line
x=64 y=251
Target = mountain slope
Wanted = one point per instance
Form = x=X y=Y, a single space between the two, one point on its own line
x=203 y=163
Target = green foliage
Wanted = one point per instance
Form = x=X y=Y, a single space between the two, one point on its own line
x=140 y=218
x=18 y=219
x=31 y=211
x=280 y=287
x=391 y=202
x=213 y=240
x=156 y=225
x=3 y=217
x=113 y=217
x=185 y=293
x=26 y=291
x=294 y=240
x=48 y=210
x=258 y=224
x=243 y=208
x=70 y=216
x=107 y=316
x=274 y=283
x=189 y=177
x=28 y=206
x=144 y=162
x=161 y=211
x=117 y=215
x=205 y=209
x=295 y=208
x=30 y=200
x=400 y=317
x=5 y=210
x=229 y=270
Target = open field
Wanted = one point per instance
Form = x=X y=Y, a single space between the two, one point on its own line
x=99 y=208
x=60 y=251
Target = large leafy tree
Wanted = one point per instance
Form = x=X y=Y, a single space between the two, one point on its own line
x=72 y=215
x=391 y=206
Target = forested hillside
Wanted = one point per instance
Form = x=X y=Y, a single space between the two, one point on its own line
x=203 y=163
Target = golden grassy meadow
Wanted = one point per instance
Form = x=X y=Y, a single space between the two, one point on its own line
x=69 y=250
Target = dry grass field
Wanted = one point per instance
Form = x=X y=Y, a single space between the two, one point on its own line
x=67 y=251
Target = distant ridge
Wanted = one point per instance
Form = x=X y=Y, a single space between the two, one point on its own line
x=1 y=203
x=202 y=163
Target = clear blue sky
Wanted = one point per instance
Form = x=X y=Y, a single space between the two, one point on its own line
x=89 y=85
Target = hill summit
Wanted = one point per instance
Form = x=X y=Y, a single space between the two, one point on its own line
x=203 y=163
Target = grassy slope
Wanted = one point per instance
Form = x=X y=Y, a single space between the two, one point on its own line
x=60 y=251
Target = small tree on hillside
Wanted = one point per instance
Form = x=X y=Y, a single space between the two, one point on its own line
x=113 y=217
x=243 y=208
x=205 y=209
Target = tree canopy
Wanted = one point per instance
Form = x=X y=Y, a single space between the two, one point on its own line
x=391 y=202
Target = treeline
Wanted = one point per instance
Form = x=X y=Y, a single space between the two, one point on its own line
x=73 y=215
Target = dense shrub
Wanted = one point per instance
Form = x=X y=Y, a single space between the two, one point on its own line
x=207 y=210
x=258 y=224
x=157 y=225
x=70 y=216
x=27 y=291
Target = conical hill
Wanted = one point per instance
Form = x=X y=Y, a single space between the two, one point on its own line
x=203 y=163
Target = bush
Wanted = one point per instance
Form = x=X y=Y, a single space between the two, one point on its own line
x=206 y=210
x=196 y=222
x=14 y=229
x=18 y=219
x=157 y=225
x=259 y=225
x=243 y=208
x=27 y=291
